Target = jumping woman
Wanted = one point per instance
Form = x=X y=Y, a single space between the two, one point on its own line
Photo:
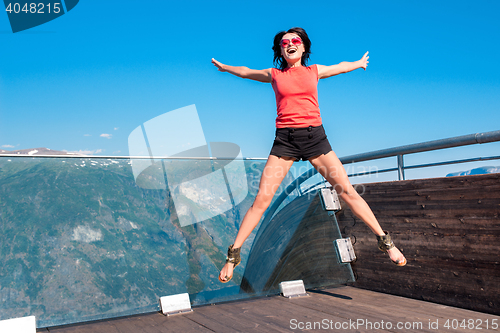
x=300 y=135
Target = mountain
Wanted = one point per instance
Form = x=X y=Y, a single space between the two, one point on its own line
x=37 y=152
x=476 y=171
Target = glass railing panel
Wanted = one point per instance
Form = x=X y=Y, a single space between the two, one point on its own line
x=89 y=238
x=297 y=169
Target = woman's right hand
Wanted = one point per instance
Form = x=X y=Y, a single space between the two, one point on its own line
x=219 y=65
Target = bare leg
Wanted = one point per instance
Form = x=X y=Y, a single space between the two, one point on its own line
x=330 y=167
x=275 y=170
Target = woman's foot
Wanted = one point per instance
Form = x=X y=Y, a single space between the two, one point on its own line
x=396 y=256
x=226 y=273
x=233 y=259
x=386 y=245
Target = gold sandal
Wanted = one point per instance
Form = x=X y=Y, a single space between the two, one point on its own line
x=385 y=244
x=233 y=257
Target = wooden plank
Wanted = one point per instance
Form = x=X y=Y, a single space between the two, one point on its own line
x=278 y=314
x=158 y=323
x=102 y=326
x=242 y=316
x=401 y=307
x=149 y=323
x=369 y=315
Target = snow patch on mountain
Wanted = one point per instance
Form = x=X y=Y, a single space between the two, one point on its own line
x=37 y=152
x=86 y=234
x=476 y=171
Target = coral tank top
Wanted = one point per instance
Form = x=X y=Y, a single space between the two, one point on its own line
x=296 y=92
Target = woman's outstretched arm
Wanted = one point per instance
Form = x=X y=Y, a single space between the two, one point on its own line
x=343 y=67
x=263 y=75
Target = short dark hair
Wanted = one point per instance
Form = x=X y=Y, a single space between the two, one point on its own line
x=278 y=60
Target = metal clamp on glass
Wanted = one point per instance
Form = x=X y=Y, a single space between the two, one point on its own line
x=345 y=250
x=293 y=289
x=330 y=199
x=175 y=304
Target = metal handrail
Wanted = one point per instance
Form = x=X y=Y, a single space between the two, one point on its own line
x=400 y=151
x=425 y=146
x=418 y=166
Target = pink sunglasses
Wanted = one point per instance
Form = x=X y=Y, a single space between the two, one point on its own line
x=295 y=41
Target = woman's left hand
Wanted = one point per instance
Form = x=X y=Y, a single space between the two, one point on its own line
x=364 y=61
x=219 y=65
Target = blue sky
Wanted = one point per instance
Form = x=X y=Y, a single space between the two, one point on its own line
x=85 y=81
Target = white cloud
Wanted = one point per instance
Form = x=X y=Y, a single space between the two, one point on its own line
x=7 y=146
x=107 y=136
x=87 y=135
x=116 y=128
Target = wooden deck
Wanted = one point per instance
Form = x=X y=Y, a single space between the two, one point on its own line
x=343 y=309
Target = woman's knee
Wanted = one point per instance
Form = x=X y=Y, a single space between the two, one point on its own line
x=262 y=201
x=348 y=194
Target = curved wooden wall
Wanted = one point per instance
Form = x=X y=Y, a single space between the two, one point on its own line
x=448 y=229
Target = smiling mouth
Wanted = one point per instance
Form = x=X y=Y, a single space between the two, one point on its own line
x=291 y=51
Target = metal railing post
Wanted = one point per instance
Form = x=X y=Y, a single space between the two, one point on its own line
x=401 y=168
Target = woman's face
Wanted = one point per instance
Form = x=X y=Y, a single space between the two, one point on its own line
x=292 y=52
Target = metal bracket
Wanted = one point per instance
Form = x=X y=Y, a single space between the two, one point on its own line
x=293 y=288
x=330 y=199
x=345 y=250
x=175 y=304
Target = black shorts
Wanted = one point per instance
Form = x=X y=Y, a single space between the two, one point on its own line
x=300 y=143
